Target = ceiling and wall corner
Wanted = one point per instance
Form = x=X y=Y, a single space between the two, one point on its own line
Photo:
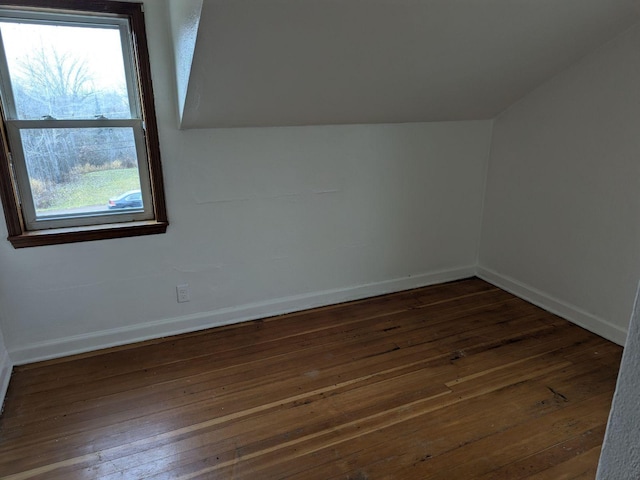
x=311 y=62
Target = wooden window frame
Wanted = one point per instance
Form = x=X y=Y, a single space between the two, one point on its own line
x=19 y=235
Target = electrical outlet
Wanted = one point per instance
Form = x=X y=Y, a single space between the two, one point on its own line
x=183 y=293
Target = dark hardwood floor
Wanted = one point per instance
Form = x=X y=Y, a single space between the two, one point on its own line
x=454 y=381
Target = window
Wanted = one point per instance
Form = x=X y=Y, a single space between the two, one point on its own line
x=79 y=156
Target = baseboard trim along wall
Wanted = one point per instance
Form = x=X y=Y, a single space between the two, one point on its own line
x=172 y=326
x=558 y=307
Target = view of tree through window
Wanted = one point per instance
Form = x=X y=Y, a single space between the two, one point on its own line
x=65 y=73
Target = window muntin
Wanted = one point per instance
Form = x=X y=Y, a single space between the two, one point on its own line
x=106 y=111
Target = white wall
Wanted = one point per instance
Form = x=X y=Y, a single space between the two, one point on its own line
x=561 y=223
x=262 y=221
x=620 y=458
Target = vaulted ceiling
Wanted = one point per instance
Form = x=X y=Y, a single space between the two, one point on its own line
x=310 y=62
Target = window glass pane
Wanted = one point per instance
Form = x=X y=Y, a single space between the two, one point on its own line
x=76 y=171
x=66 y=72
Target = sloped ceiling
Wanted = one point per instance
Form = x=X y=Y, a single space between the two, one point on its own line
x=311 y=62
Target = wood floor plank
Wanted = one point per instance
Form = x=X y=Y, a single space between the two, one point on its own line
x=269 y=343
x=299 y=448
x=459 y=380
x=437 y=428
x=354 y=370
x=581 y=466
x=545 y=459
x=380 y=403
x=422 y=345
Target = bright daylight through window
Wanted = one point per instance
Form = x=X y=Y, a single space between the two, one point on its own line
x=81 y=157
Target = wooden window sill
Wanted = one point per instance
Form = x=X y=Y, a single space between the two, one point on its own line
x=58 y=236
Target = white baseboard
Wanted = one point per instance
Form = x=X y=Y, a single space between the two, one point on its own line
x=5 y=374
x=171 y=326
x=558 y=307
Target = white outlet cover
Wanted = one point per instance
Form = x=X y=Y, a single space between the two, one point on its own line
x=182 y=292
